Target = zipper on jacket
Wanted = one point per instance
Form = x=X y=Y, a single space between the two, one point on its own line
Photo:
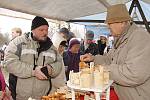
x=34 y=79
x=137 y=91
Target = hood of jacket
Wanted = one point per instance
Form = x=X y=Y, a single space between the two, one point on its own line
x=57 y=39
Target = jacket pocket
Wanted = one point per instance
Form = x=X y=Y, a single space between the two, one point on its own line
x=24 y=87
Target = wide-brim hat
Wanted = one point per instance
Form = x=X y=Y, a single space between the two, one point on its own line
x=117 y=13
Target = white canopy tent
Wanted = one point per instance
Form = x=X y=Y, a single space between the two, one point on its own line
x=60 y=9
x=102 y=16
x=65 y=10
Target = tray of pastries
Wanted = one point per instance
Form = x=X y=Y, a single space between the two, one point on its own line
x=63 y=93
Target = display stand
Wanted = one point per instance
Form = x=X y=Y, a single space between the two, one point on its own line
x=97 y=91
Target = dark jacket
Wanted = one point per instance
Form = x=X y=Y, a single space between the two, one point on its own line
x=71 y=60
x=92 y=48
x=101 y=47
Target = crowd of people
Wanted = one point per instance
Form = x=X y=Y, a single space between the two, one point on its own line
x=38 y=65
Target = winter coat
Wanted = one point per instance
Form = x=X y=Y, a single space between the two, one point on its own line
x=92 y=48
x=28 y=85
x=129 y=64
x=71 y=60
x=101 y=47
x=60 y=80
x=57 y=39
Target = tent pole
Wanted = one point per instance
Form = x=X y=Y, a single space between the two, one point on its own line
x=131 y=7
x=136 y=2
x=102 y=21
x=105 y=3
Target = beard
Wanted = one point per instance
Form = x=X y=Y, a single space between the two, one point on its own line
x=41 y=39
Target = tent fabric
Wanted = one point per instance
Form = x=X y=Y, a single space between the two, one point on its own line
x=60 y=9
x=98 y=30
x=102 y=16
x=147 y=1
x=55 y=9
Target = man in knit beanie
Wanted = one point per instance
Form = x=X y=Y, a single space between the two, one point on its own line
x=65 y=33
x=39 y=28
x=128 y=62
x=88 y=45
x=32 y=60
x=38 y=21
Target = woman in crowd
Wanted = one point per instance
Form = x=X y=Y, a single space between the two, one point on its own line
x=72 y=57
x=60 y=43
x=102 y=44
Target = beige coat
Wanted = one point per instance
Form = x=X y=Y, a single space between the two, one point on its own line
x=60 y=80
x=28 y=85
x=57 y=39
x=129 y=65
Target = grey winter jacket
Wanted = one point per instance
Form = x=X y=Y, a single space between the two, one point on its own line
x=28 y=85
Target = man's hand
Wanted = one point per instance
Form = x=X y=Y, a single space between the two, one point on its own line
x=86 y=57
x=38 y=74
x=50 y=69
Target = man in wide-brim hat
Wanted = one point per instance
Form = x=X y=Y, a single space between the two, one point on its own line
x=128 y=62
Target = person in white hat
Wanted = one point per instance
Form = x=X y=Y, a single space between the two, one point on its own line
x=128 y=62
x=102 y=44
x=60 y=43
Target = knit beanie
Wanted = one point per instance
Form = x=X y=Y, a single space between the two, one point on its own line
x=117 y=13
x=64 y=30
x=73 y=41
x=37 y=22
x=89 y=35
